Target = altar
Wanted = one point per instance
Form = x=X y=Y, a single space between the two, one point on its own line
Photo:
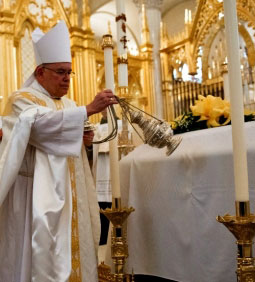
x=173 y=232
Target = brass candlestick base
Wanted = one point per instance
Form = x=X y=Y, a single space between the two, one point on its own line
x=242 y=226
x=119 y=248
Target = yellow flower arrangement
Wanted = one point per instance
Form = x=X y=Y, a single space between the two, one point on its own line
x=211 y=108
x=207 y=112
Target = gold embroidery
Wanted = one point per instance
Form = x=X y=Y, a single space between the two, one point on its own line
x=59 y=104
x=76 y=264
x=21 y=95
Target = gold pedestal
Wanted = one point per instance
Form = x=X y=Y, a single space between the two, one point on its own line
x=119 y=248
x=242 y=226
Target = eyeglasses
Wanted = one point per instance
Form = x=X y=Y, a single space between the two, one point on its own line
x=62 y=72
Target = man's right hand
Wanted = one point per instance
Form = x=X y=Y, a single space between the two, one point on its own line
x=102 y=100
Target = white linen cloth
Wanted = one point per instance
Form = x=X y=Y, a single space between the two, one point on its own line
x=35 y=192
x=173 y=232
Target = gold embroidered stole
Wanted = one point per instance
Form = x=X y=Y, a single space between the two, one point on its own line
x=76 y=264
x=20 y=95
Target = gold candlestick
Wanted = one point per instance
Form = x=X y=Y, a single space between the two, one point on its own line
x=242 y=226
x=119 y=248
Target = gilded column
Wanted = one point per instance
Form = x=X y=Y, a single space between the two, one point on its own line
x=147 y=71
x=154 y=19
x=7 y=62
x=83 y=88
x=167 y=95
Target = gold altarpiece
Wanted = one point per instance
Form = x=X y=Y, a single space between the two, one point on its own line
x=201 y=40
x=19 y=18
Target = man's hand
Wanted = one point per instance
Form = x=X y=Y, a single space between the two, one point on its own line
x=88 y=137
x=102 y=100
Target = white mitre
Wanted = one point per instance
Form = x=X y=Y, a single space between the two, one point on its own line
x=52 y=47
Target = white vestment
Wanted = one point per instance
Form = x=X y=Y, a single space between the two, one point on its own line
x=41 y=159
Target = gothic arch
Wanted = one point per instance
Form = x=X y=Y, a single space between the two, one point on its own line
x=202 y=32
x=206 y=48
x=249 y=44
x=210 y=22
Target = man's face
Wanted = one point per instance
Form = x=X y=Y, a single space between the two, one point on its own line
x=55 y=78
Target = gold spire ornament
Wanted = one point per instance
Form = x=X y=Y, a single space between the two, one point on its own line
x=145 y=27
x=109 y=28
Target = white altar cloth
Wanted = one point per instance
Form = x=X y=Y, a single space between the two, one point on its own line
x=173 y=232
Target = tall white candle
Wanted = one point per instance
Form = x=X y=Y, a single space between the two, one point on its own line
x=236 y=101
x=120 y=10
x=189 y=16
x=121 y=45
x=186 y=17
x=122 y=75
x=113 y=144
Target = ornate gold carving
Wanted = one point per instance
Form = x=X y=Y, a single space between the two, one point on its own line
x=197 y=38
x=42 y=12
x=242 y=226
x=145 y=28
x=206 y=19
x=7 y=23
x=249 y=45
x=119 y=248
x=104 y=273
x=107 y=41
x=123 y=92
x=86 y=15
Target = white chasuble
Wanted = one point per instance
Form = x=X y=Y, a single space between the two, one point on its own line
x=42 y=163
